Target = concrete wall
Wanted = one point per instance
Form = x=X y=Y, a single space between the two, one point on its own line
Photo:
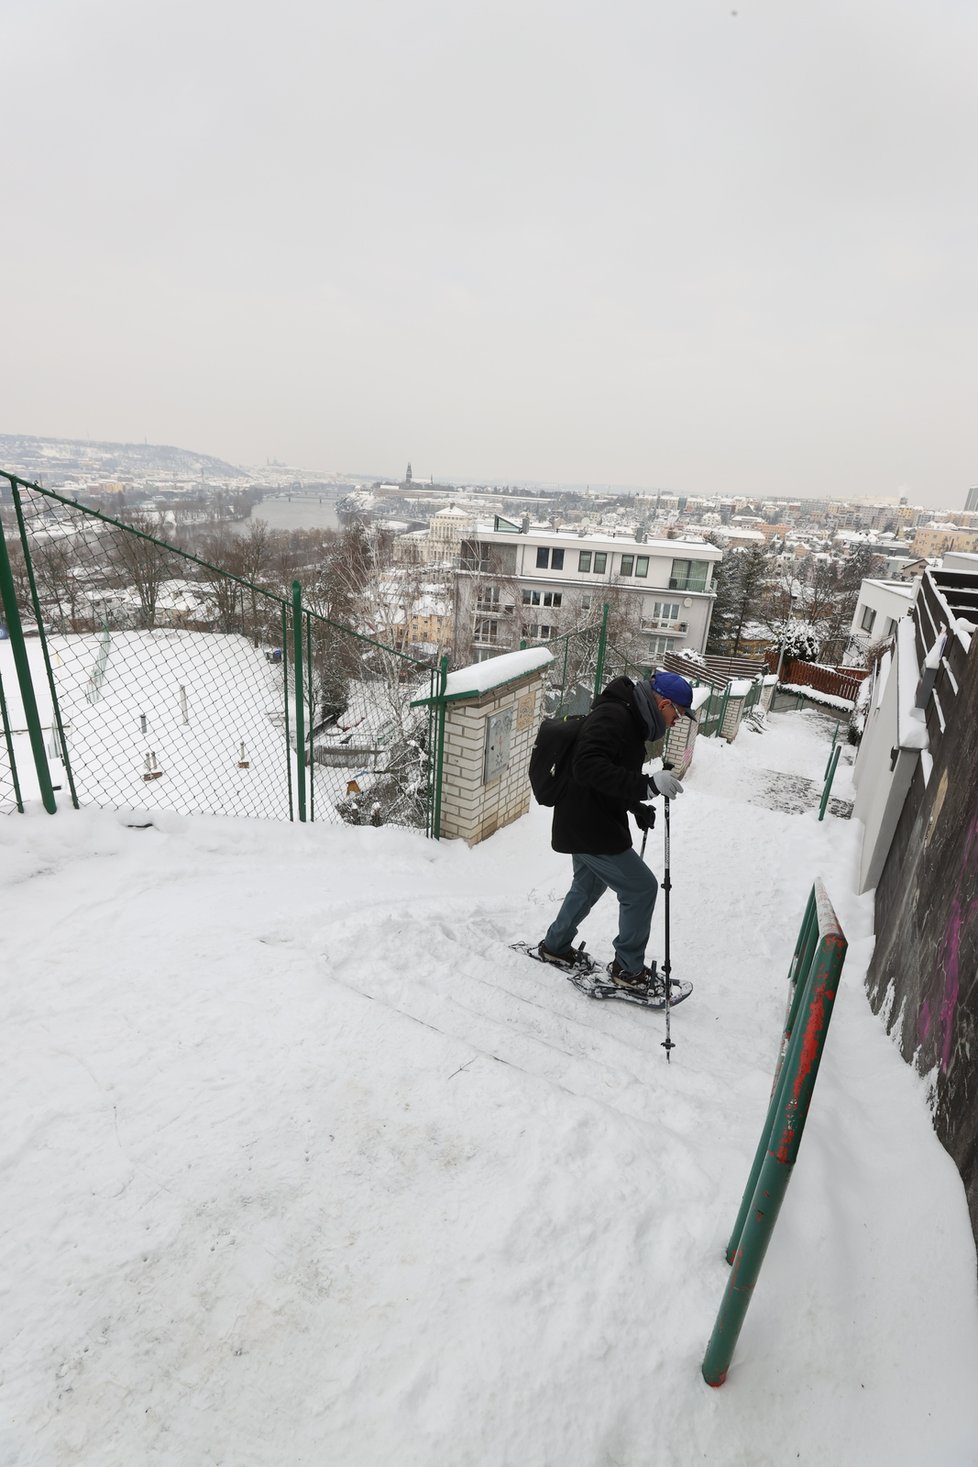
x=924 y=972
x=472 y=806
x=883 y=770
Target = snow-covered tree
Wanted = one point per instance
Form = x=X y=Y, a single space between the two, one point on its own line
x=799 y=641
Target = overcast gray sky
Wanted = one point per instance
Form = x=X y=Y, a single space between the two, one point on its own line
x=711 y=247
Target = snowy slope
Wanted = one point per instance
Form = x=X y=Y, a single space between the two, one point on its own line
x=310 y=1168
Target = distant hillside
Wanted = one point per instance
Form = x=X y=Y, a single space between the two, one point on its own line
x=48 y=459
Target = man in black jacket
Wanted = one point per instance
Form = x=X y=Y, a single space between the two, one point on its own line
x=590 y=819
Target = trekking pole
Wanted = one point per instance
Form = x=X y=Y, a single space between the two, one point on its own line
x=667 y=1043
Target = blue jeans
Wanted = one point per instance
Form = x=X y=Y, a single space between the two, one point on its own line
x=635 y=887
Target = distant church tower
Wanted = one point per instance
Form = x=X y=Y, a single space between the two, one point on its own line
x=407 y=476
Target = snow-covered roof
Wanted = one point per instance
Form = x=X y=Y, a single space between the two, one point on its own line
x=481 y=677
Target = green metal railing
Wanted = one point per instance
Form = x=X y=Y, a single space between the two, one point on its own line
x=816 y=968
x=830 y=769
x=712 y=713
x=168 y=682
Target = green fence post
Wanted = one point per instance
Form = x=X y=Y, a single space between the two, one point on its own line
x=828 y=781
x=312 y=720
x=300 y=712
x=832 y=749
x=602 y=642
x=285 y=695
x=15 y=631
x=8 y=739
x=439 y=749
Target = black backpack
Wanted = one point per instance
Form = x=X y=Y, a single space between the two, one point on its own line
x=550 y=759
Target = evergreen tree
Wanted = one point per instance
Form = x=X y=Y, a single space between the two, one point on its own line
x=742 y=577
x=722 y=623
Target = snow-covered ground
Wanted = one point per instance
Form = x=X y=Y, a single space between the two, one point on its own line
x=190 y=701
x=302 y=1165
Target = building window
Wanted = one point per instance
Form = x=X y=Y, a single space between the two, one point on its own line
x=586 y=603
x=868 y=617
x=642 y=565
x=486 y=630
x=539 y=632
x=689 y=575
x=556 y=560
x=584 y=561
x=549 y=559
x=487 y=598
x=627 y=564
x=659 y=646
x=542 y=598
x=665 y=610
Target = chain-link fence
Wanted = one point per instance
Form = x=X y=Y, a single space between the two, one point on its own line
x=165 y=682
x=584 y=663
x=618 y=663
x=10 y=791
x=569 y=679
x=370 y=754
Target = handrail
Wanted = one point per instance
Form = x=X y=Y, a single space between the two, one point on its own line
x=816 y=967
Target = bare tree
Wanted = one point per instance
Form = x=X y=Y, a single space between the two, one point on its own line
x=144 y=564
x=55 y=571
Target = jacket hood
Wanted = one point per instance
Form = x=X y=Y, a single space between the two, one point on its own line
x=621 y=690
x=645 y=712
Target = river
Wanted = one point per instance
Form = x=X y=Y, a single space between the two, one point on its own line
x=301 y=512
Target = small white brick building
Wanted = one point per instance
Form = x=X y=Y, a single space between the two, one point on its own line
x=492 y=711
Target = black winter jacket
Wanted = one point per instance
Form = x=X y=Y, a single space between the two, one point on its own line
x=606 y=776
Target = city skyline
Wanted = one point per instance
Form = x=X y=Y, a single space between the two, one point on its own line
x=46 y=467
x=703 y=249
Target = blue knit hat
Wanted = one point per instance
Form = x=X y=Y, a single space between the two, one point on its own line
x=678 y=691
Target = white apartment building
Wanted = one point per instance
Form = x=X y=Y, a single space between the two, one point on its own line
x=517 y=581
x=880 y=606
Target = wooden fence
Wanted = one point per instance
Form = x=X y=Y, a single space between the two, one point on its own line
x=839 y=682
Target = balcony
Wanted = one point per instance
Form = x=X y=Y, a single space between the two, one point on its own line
x=651 y=624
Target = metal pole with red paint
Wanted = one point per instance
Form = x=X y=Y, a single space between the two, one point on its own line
x=782 y=1135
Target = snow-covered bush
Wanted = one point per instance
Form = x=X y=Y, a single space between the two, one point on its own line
x=799 y=641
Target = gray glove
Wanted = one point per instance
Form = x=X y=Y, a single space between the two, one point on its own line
x=667 y=784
